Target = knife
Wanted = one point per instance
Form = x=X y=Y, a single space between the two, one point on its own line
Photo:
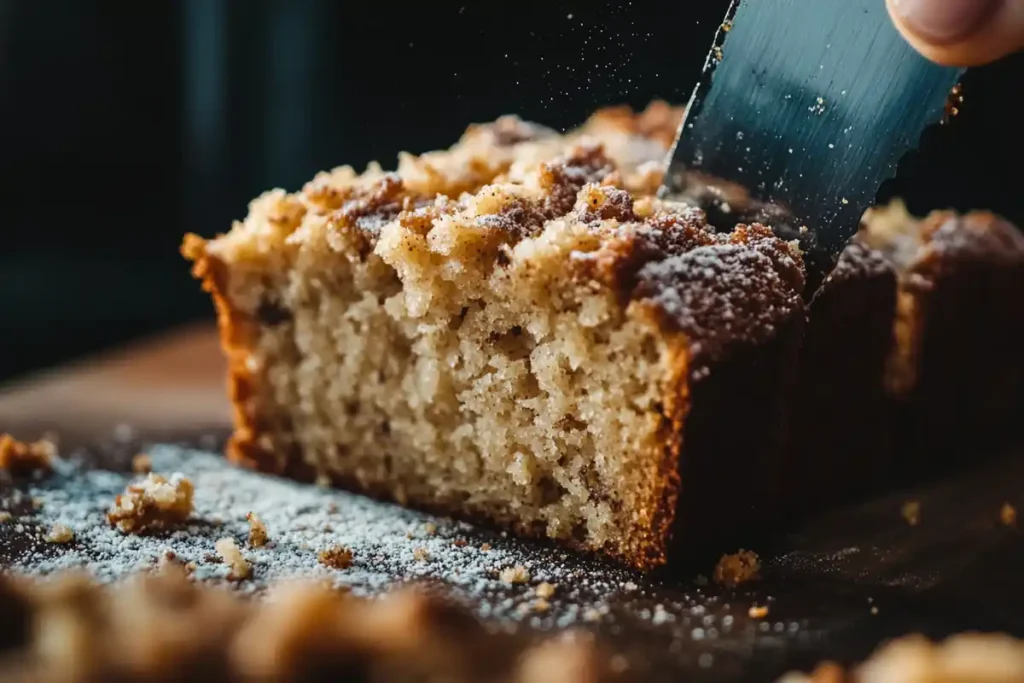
x=804 y=109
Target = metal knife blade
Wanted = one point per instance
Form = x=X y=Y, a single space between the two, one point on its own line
x=804 y=109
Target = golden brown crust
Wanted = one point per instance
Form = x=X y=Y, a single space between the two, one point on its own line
x=237 y=337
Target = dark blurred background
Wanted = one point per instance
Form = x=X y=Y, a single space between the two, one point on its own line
x=124 y=124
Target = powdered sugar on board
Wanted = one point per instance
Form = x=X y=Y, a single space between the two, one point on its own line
x=389 y=544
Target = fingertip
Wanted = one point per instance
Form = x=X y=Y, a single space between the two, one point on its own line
x=985 y=32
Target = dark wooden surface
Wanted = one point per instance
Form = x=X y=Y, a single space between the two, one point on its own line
x=170 y=383
x=958 y=569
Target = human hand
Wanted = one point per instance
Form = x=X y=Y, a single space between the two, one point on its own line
x=961 y=32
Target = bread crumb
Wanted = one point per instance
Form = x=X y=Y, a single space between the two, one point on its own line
x=60 y=533
x=257 y=531
x=430 y=528
x=911 y=512
x=516 y=574
x=154 y=503
x=874 y=610
x=486 y=547
x=232 y=556
x=740 y=567
x=323 y=481
x=5 y=516
x=545 y=590
x=335 y=557
x=541 y=605
x=591 y=614
x=1008 y=515
x=23 y=459
x=826 y=672
x=420 y=554
x=460 y=543
x=142 y=464
x=758 y=611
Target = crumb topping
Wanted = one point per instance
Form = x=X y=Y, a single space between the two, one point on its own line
x=719 y=293
x=152 y=504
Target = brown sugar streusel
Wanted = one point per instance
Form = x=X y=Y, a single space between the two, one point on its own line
x=152 y=504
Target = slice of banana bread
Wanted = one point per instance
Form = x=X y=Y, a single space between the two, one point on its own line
x=514 y=331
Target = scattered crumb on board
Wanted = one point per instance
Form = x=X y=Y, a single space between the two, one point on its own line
x=740 y=567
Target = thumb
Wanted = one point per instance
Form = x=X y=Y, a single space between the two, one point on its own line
x=961 y=32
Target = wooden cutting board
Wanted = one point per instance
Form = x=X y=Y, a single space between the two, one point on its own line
x=836 y=586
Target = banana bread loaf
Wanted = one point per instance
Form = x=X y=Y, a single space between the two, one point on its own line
x=515 y=331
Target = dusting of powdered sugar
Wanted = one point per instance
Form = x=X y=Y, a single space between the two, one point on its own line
x=389 y=544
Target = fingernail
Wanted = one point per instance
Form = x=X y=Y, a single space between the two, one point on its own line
x=944 y=20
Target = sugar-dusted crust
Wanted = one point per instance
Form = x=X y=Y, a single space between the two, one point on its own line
x=520 y=244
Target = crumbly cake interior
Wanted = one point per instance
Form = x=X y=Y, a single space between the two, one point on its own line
x=480 y=352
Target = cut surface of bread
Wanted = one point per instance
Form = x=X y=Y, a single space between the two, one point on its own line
x=514 y=331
